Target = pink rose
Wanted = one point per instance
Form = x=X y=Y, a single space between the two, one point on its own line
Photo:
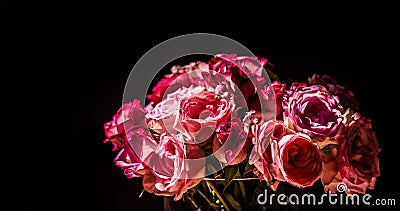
x=264 y=155
x=129 y=134
x=239 y=66
x=172 y=174
x=201 y=112
x=230 y=144
x=241 y=69
x=180 y=77
x=129 y=116
x=346 y=97
x=285 y=156
x=314 y=111
x=159 y=89
x=271 y=96
x=164 y=117
x=299 y=160
x=358 y=162
x=279 y=89
x=133 y=153
x=130 y=163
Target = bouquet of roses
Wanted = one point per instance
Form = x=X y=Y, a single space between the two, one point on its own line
x=211 y=129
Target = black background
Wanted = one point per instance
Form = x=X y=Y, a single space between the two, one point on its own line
x=65 y=64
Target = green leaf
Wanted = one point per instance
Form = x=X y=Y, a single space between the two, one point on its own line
x=209 y=201
x=248 y=170
x=328 y=148
x=230 y=173
x=236 y=190
x=243 y=191
x=189 y=199
x=242 y=167
x=235 y=205
x=273 y=76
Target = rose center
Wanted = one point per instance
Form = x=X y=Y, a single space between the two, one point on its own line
x=170 y=148
x=361 y=156
x=299 y=160
x=198 y=110
x=317 y=112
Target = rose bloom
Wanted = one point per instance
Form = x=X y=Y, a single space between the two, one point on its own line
x=130 y=115
x=241 y=69
x=265 y=137
x=271 y=97
x=132 y=156
x=239 y=66
x=314 y=111
x=279 y=90
x=299 y=160
x=346 y=97
x=171 y=173
x=129 y=134
x=164 y=116
x=230 y=144
x=358 y=162
x=284 y=156
x=159 y=89
x=180 y=77
x=201 y=112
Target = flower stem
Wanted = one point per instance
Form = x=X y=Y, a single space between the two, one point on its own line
x=208 y=200
x=218 y=194
x=193 y=202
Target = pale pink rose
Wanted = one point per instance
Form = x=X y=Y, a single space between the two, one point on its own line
x=165 y=115
x=193 y=111
x=300 y=160
x=230 y=144
x=171 y=173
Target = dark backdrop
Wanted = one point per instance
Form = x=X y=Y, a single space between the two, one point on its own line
x=64 y=67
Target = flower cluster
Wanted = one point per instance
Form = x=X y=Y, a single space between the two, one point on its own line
x=228 y=111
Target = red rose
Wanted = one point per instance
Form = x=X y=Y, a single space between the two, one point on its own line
x=300 y=160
